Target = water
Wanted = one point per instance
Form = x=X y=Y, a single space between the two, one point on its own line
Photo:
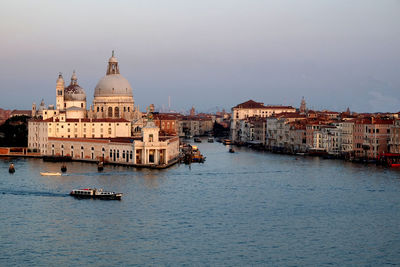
x=246 y=208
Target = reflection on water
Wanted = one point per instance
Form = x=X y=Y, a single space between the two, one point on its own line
x=242 y=208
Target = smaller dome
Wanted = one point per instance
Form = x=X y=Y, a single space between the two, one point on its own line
x=74 y=93
x=113 y=60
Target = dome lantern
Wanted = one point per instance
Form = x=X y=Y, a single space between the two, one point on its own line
x=112 y=65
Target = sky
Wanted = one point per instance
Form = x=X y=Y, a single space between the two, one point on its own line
x=208 y=53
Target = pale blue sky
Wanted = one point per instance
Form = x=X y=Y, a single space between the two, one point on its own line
x=207 y=53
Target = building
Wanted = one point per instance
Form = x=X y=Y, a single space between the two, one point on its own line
x=394 y=143
x=254 y=109
x=112 y=129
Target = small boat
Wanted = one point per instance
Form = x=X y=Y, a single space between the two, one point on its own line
x=11 y=168
x=231 y=150
x=197 y=140
x=100 y=166
x=50 y=173
x=210 y=140
x=227 y=141
x=95 y=193
x=64 y=168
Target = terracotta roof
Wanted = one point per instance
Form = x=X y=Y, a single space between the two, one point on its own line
x=250 y=104
x=21 y=112
x=260 y=105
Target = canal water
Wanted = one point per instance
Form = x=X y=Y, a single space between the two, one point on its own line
x=243 y=208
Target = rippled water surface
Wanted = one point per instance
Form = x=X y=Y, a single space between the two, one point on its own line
x=246 y=208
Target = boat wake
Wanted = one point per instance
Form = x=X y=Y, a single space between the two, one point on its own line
x=31 y=193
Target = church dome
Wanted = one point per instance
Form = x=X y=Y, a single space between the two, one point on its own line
x=113 y=85
x=74 y=92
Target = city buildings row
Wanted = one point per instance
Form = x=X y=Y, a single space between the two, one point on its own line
x=286 y=129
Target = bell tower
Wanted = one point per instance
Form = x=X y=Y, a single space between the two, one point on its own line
x=60 y=92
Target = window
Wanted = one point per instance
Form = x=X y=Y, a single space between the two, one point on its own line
x=110 y=112
x=98 y=109
x=128 y=109
x=109 y=130
x=124 y=109
x=150 y=137
x=116 y=112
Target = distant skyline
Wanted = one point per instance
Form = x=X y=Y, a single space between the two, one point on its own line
x=335 y=53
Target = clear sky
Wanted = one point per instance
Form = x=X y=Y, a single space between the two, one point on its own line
x=208 y=53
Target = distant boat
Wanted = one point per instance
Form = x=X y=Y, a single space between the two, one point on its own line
x=197 y=140
x=50 y=173
x=210 y=140
x=64 y=168
x=231 y=150
x=95 y=193
x=11 y=168
x=100 y=166
x=227 y=141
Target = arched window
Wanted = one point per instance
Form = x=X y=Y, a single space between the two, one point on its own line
x=116 y=112
x=110 y=112
x=98 y=109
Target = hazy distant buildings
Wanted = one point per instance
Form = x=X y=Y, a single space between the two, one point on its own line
x=253 y=109
x=346 y=134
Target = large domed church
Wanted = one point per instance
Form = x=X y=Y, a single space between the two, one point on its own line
x=113 y=97
x=110 y=131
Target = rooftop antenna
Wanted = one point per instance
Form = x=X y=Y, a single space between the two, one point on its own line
x=169 y=103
